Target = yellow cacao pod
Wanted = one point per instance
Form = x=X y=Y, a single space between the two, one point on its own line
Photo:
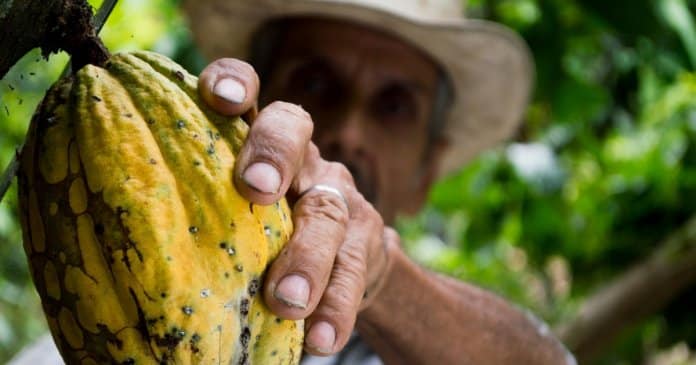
x=141 y=249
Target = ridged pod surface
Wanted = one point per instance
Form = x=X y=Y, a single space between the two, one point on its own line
x=141 y=249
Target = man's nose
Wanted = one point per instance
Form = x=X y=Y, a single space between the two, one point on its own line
x=345 y=138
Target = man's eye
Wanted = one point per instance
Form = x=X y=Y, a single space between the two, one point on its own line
x=395 y=107
x=314 y=84
x=310 y=79
x=395 y=103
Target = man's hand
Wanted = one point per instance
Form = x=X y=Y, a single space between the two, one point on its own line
x=333 y=263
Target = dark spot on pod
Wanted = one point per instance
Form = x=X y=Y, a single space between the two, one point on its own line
x=121 y=210
x=128 y=361
x=99 y=229
x=10 y=86
x=170 y=340
x=51 y=120
x=244 y=360
x=179 y=75
x=274 y=352
x=278 y=320
x=219 y=327
x=210 y=150
x=32 y=73
x=180 y=124
x=187 y=310
x=153 y=161
x=196 y=163
x=152 y=321
x=232 y=225
x=217 y=136
x=150 y=121
x=181 y=333
x=193 y=229
x=254 y=286
x=251 y=207
x=258 y=314
x=195 y=337
x=227 y=275
x=245 y=336
x=96 y=98
x=239 y=267
x=21 y=101
x=223 y=245
x=163 y=295
x=169 y=258
x=128 y=115
x=267 y=230
x=244 y=307
x=7 y=110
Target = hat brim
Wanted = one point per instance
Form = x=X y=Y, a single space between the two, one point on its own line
x=490 y=66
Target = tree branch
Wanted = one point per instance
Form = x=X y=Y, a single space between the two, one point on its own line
x=641 y=291
x=51 y=25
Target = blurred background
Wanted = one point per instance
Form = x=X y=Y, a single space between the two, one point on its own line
x=587 y=218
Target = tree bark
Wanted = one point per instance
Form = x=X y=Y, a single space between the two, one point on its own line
x=643 y=290
x=51 y=25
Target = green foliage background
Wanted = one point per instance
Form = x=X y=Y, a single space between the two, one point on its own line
x=603 y=170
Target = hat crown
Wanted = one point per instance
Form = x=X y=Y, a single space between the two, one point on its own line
x=424 y=10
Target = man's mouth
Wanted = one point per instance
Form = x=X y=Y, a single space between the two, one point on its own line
x=364 y=181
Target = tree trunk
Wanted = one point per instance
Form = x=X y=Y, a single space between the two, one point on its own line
x=643 y=290
x=51 y=25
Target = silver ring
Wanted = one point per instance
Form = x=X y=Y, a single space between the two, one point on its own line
x=327 y=189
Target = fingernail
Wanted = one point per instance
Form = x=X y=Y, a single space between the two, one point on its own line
x=293 y=290
x=263 y=177
x=321 y=337
x=230 y=90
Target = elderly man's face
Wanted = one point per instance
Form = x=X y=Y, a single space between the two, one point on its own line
x=371 y=99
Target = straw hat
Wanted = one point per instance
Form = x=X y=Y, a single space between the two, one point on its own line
x=489 y=66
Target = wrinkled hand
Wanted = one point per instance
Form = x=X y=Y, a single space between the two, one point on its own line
x=332 y=265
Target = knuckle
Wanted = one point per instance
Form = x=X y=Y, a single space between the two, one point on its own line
x=294 y=110
x=340 y=171
x=344 y=291
x=351 y=263
x=365 y=212
x=274 y=142
x=234 y=64
x=322 y=206
x=276 y=154
x=391 y=235
x=312 y=153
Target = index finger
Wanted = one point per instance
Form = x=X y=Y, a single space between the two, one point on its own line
x=274 y=152
x=229 y=86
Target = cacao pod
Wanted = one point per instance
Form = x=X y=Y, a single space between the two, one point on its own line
x=139 y=246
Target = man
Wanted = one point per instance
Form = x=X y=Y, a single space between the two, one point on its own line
x=399 y=92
